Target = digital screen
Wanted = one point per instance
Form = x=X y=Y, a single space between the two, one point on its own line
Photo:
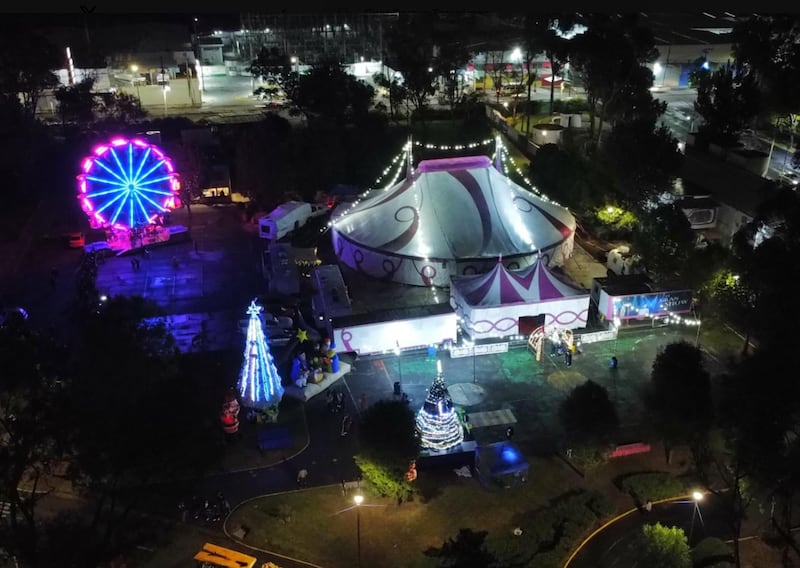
x=652 y=304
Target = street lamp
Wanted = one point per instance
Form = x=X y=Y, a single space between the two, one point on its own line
x=697 y=496
x=358 y=500
x=296 y=63
x=617 y=323
x=135 y=69
x=165 y=89
x=398 y=352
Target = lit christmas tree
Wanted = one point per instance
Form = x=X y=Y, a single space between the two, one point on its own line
x=259 y=382
x=437 y=421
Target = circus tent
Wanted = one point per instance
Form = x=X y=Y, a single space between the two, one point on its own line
x=492 y=304
x=450 y=217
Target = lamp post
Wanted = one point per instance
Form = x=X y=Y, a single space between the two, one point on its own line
x=399 y=354
x=617 y=323
x=296 y=63
x=697 y=496
x=165 y=89
x=698 y=323
x=135 y=69
x=358 y=500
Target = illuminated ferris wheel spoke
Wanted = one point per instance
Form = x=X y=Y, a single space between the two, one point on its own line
x=141 y=165
x=109 y=203
x=115 y=216
x=157 y=165
x=101 y=193
x=154 y=191
x=155 y=204
x=106 y=181
x=112 y=172
x=154 y=180
x=131 y=222
x=142 y=209
x=119 y=164
x=130 y=161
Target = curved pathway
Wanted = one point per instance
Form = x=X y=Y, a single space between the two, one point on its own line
x=611 y=545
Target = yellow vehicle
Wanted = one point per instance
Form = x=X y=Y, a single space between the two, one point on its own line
x=213 y=556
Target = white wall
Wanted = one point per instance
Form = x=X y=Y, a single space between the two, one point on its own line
x=182 y=93
x=382 y=337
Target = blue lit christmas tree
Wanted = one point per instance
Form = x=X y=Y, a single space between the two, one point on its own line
x=259 y=382
x=437 y=421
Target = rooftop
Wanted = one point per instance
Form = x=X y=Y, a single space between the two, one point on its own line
x=682 y=28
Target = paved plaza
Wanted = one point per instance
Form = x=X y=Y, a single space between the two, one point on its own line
x=513 y=388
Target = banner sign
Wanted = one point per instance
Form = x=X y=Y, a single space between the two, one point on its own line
x=484 y=349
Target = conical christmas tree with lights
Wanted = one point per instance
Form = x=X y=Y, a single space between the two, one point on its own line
x=437 y=421
x=259 y=382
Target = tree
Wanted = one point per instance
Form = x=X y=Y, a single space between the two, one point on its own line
x=680 y=395
x=388 y=443
x=644 y=160
x=137 y=419
x=452 y=56
x=608 y=57
x=544 y=34
x=27 y=62
x=727 y=99
x=77 y=103
x=664 y=239
x=411 y=49
x=588 y=415
x=663 y=547
x=759 y=410
x=329 y=91
x=467 y=550
x=271 y=63
x=262 y=160
x=495 y=68
x=189 y=162
x=32 y=435
x=769 y=46
x=123 y=108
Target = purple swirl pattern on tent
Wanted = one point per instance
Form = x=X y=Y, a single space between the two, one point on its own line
x=451 y=215
x=479 y=199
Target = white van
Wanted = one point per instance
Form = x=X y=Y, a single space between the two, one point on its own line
x=288 y=217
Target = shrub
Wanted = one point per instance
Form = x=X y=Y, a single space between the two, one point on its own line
x=653 y=486
x=588 y=458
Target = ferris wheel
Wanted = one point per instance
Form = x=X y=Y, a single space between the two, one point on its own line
x=126 y=184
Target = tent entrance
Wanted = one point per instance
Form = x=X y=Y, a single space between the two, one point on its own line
x=528 y=324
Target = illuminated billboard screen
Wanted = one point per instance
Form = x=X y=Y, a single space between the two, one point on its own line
x=652 y=304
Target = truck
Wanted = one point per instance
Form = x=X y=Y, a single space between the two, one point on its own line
x=331 y=298
x=288 y=217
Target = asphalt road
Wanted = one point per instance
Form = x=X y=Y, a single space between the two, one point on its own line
x=614 y=547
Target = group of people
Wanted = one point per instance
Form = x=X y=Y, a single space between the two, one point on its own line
x=208 y=511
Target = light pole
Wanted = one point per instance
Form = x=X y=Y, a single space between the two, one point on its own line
x=697 y=496
x=698 y=323
x=617 y=323
x=165 y=89
x=358 y=500
x=135 y=69
x=399 y=354
x=296 y=63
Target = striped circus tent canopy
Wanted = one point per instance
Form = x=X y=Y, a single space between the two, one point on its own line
x=491 y=304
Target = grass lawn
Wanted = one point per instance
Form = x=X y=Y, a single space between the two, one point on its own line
x=393 y=535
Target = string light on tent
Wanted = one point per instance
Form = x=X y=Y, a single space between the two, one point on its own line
x=447 y=147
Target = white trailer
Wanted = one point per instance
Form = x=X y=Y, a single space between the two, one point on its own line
x=288 y=217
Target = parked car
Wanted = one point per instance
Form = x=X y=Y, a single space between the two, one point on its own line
x=790 y=178
x=76 y=240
